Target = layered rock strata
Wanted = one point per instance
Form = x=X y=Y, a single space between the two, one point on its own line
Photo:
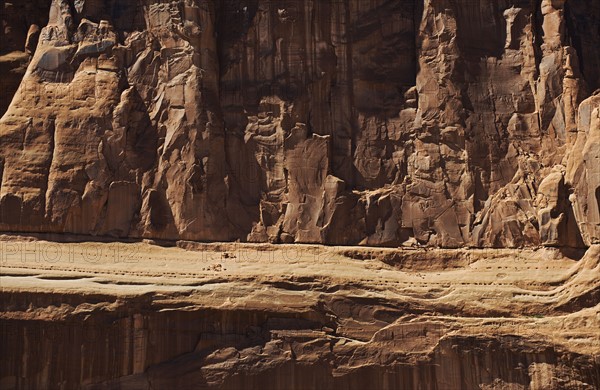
x=133 y=316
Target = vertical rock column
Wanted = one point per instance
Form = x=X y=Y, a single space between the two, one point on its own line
x=186 y=196
x=583 y=170
x=52 y=131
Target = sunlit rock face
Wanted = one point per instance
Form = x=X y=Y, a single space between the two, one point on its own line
x=378 y=123
x=123 y=316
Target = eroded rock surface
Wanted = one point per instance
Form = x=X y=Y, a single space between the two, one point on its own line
x=234 y=316
x=20 y=25
x=378 y=123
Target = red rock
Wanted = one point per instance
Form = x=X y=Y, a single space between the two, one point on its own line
x=385 y=123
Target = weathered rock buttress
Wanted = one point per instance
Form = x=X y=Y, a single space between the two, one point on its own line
x=337 y=122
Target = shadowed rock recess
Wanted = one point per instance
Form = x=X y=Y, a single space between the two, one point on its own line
x=379 y=123
x=445 y=152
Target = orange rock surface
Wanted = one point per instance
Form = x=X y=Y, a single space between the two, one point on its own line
x=379 y=123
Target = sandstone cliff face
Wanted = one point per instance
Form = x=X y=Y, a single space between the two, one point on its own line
x=339 y=122
x=20 y=24
x=244 y=316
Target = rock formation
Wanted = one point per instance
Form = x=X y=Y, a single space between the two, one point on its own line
x=465 y=128
x=233 y=316
x=379 y=123
x=20 y=24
